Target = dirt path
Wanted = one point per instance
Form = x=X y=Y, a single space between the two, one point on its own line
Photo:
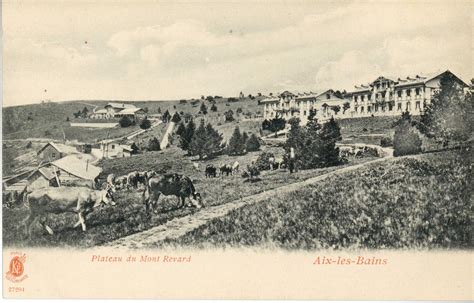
x=165 y=141
x=180 y=226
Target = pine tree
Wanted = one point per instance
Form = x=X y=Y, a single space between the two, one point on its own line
x=449 y=115
x=181 y=129
x=166 y=116
x=153 y=144
x=253 y=143
x=206 y=141
x=214 y=107
x=176 y=118
x=203 y=109
x=187 y=135
x=329 y=135
x=236 y=145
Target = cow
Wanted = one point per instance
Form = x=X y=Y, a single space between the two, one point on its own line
x=56 y=200
x=170 y=185
x=121 y=182
x=225 y=169
x=211 y=171
x=235 y=167
x=132 y=179
x=275 y=163
x=142 y=178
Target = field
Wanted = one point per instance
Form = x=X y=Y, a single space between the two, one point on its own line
x=422 y=201
x=367 y=130
x=112 y=222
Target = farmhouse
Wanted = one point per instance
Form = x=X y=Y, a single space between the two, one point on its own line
x=118 y=110
x=73 y=171
x=38 y=178
x=112 y=149
x=53 y=151
x=388 y=97
x=327 y=103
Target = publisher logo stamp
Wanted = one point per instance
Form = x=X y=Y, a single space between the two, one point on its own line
x=16 y=268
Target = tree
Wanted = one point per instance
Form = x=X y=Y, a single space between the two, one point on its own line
x=159 y=110
x=229 y=116
x=176 y=118
x=145 y=124
x=406 y=140
x=253 y=143
x=236 y=145
x=328 y=152
x=345 y=107
x=135 y=148
x=145 y=110
x=206 y=141
x=181 y=129
x=203 y=109
x=67 y=119
x=186 y=134
x=312 y=114
x=214 y=107
x=187 y=117
x=125 y=122
x=154 y=144
x=336 y=109
x=166 y=116
x=84 y=113
x=449 y=116
x=274 y=125
x=210 y=98
x=239 y=110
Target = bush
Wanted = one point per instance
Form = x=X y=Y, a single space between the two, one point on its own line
x=153 y=144
x=406 y=140
x=125 y=122
x=176 y=118
x=145 y=124
x=263 y=161
x=229 y=116
x=386 y=142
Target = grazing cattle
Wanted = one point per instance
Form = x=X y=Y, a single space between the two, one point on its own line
x=225 y=169
x=121 y=182
x=132 y=179
x=142 y=178
x=235 y=167
x=170 y=185
x=196 y=166
x=56 y=200
x=211 y=171
x=275 y=163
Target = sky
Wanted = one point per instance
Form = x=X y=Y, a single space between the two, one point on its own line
x=161 y=50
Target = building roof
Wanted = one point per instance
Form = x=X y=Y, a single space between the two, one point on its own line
x=129 y=111
x=47 y=173
x=101 y=111
x=77 y=167
x=62 y=148
x=119 y=105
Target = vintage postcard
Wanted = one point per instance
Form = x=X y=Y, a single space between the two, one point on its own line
x=237 y=149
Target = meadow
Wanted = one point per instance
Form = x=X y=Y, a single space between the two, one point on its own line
x=421 y=202
x=111 y=222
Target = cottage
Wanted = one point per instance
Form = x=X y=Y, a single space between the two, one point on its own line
x=53 y=151
x=38 y=178
x=112 y=149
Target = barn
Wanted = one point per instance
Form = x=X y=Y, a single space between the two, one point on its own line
x=53 y=151
x=73 y=171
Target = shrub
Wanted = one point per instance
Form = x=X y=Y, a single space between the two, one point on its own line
x=229 y=116
x=176 y=118
x=386 y=142
x=125 y=122
x=406 y=140
x=263 y=161
x=145 y=124
x=153 y=144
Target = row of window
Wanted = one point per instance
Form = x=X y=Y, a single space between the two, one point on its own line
x=383 y=94
x=390 y=107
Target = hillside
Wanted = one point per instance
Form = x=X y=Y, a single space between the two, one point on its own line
x=49 y=120
x=412 y=202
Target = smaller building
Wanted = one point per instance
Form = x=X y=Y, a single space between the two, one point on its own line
x=53 y=151
x=73 y=171
x=113 y=149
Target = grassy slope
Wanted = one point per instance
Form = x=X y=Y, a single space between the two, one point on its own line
x=416 y=202
x=109 y=223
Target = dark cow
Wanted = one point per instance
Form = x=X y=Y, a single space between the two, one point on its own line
x=56 y=200
x=121 y=182
x=226 y=169
x=211 y=171
x=170 y=185
x=132 y=179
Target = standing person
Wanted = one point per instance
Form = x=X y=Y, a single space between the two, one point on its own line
x=292 y=160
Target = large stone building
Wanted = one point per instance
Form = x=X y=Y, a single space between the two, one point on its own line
x=387 y=96
x=327 y=104
x=383 y=97
x=118 y=110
